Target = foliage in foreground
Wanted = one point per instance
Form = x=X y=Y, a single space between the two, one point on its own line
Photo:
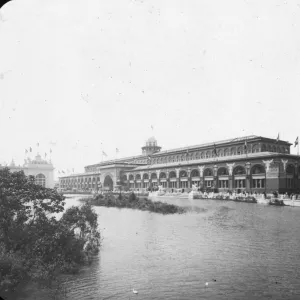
x=34 y=245
x=134 y=202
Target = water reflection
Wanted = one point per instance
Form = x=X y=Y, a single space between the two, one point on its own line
x=245 y=247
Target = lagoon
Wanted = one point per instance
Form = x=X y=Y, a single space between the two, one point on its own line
x=243 y=251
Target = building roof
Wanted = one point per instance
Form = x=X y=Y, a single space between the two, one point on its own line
x=118 y=160
x=210 y=144
x=235 y=140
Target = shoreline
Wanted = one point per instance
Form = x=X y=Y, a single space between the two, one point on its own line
x=133 y=202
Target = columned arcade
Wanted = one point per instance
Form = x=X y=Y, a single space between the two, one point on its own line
x=251 y=163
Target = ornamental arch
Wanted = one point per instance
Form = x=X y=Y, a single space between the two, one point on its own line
x=239 y=173
x=108 y=182
x=290 y=174
x=223 y=180
x=183 y=173
x=195 y=173
x=239 y=170
x=172 y=174
x=233 y=151
x=208 y=178
x=153 y=176
x=290 y=169
x=208 y=172
x=255 y=148
x=258 y=176
x=162 y=175
x=257 y=169
x=226 y=152
x=40 y=179
x=223 y=171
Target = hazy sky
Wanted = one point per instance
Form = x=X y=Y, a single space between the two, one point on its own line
x=82 y=77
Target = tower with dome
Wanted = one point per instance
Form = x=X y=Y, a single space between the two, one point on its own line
x=151 y=147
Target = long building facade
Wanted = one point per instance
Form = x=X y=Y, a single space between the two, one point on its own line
x=251 y=163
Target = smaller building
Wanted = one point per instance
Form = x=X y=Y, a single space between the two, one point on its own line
x=41 y=169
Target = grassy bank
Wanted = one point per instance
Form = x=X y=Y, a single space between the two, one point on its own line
x=134 y=202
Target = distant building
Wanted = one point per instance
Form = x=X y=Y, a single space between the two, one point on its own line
x=251 y=163
x=42 y=170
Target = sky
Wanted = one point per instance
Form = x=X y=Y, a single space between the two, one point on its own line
x=82 y=77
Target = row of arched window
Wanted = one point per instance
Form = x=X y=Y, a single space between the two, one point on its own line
x=220 y=152
x=222 y=171
x=78 y=180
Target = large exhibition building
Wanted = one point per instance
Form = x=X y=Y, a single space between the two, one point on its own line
x=251 y=163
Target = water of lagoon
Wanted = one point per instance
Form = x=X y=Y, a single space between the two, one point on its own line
x=243 y=251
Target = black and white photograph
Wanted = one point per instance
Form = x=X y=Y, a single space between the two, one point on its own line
x=149 y=149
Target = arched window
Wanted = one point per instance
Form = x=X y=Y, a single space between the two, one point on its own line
x=290 y=169
x=195 y=173
x=239 y=170
x=40 y=179
x=162 y=175
x=226 y=152
x=172 y=174
x=220 y=152
x=201 y=155
x=145 y=176
x=130 y=177
x=222 y=171
x=208 y=172
x=258 y=169
x=239 y=150
x=183 y=173
x=255 y=148
x=153 y=176
x=207 y=154
x=233 y=151
x=138 y=177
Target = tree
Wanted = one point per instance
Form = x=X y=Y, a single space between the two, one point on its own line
x=33 y=243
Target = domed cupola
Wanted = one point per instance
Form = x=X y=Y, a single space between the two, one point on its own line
x=151 y=146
